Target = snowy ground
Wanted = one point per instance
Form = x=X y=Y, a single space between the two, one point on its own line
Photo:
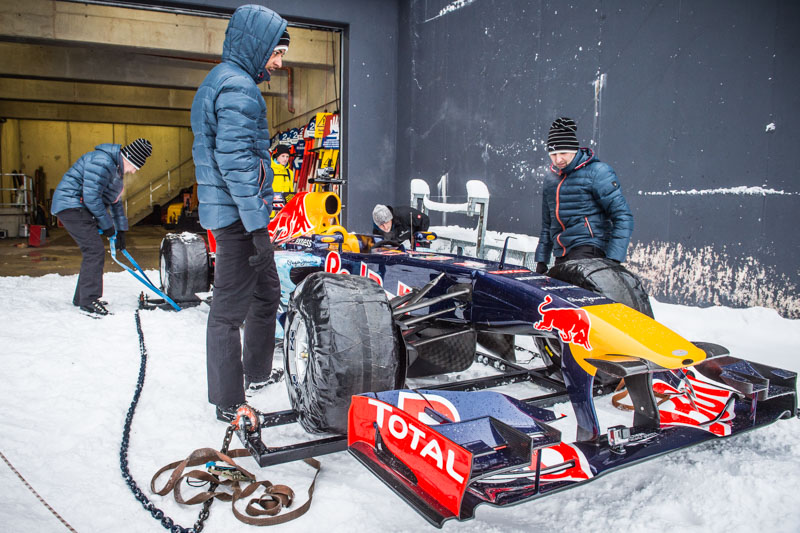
x=68 y=381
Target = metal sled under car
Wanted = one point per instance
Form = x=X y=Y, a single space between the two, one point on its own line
x=363 y=319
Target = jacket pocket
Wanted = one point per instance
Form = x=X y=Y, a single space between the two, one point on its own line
x=586 y=223
x=264 y=180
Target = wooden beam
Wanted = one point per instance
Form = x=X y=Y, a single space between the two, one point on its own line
x=145 y=30
x=110 y=66
x=92 y=113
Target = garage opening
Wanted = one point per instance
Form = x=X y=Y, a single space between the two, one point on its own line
x=75 y=75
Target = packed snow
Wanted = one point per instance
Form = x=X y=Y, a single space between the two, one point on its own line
x=68 y=381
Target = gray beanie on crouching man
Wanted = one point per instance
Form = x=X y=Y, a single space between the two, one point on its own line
x=381 y=214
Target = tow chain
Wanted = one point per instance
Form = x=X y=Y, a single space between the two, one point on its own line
x=275 y=498
x=157 y=513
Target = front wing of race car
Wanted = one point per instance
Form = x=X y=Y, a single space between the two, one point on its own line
x=445 y=452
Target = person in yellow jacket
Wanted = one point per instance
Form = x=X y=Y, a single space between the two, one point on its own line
x=284 y=175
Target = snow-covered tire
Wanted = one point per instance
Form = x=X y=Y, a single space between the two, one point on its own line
x=183 y=266
x=452 y=354
x=607 y=278
x=339 y=341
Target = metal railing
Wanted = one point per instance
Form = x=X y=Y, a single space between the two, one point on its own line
x=159 y=189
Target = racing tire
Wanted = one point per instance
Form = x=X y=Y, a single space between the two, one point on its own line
x=183 y=266
x=339 y=341
x=452 y=354
x=607 y=278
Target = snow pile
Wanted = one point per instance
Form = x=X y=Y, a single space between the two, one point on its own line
x=68 y=381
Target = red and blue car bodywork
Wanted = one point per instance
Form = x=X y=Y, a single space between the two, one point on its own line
x=445 y=452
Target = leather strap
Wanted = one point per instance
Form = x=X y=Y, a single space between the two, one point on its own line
x=262 y=510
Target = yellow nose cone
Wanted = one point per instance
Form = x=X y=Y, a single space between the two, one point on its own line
x=617 y=330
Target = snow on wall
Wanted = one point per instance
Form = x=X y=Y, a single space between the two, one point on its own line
x=515 y=157
x=741 y=190
x=449 y=8
x=708 y=276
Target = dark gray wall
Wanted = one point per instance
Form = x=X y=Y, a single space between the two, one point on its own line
x=691 y=102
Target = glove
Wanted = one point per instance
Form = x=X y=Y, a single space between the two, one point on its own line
x=264 y=251
x=541 y=268
x=108 y=232
x=120 y=240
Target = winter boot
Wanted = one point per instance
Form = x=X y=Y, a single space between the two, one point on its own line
x=76 y=304
x=95 y=308
x=227 y=414
x=251 y=387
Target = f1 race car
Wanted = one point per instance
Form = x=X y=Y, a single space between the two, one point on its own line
x=363 y=318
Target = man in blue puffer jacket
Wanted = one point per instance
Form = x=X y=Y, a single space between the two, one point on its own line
x=82 y=199
x=584 y=213
x=234 y=188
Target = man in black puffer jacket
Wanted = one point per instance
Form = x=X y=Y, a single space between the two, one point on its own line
x=82 y=199
x=584 y=213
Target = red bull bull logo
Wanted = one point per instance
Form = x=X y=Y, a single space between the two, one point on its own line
x=291 y=222
x=573 y=324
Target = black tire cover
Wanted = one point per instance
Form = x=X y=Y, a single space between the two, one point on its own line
x=344 y=325
x=183 y=266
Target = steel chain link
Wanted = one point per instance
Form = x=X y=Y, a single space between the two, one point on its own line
x=167 y=522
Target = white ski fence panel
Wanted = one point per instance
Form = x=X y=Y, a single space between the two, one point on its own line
x=486 y=244
x=477 y=205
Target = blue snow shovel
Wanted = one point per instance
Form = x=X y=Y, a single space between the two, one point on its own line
x=139 y=273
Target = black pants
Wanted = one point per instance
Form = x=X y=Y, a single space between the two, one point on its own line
x=241 y=295
x=82 y=227
x=585 y=251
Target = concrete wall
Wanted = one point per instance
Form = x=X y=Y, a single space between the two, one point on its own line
x=695 y=104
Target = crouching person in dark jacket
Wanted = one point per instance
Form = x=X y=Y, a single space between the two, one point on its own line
x=82 y=200
x=584 y=213
x=234 y=189
x=397 y=223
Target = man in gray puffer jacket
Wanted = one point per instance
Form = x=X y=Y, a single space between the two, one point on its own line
x=234 y=188
x=82 y=200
